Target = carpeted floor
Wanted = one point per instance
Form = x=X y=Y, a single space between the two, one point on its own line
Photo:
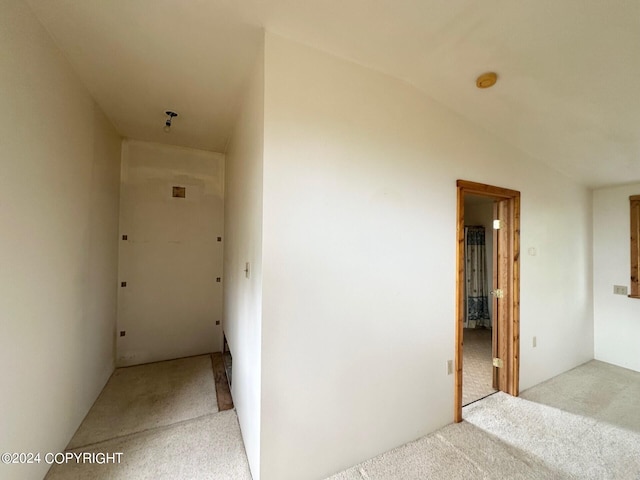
x=477 y=368
x=163 y=417
x=584 y=424
x=149 y=396
x=204 y=448
x=597 y=390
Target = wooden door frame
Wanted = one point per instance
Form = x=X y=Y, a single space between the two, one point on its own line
x=510 y=333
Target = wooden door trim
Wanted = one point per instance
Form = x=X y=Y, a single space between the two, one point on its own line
x=475 y=188
x=634 y=208
x=512 y=362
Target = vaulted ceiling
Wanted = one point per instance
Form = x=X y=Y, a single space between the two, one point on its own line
x=567 y=69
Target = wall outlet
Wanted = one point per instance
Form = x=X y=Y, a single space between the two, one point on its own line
x=535 y=342
x=449 y=367
x=620 y=290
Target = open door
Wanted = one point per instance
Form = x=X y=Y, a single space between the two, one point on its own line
x=501 y=293
x=505 y=292
x=494 y=298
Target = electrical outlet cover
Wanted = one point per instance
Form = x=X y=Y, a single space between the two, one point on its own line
x=620 y=290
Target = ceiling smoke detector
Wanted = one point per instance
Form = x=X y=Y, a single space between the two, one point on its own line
x=487 y=80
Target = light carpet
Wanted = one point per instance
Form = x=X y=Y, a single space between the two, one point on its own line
x=149 y=396
x=583 y=424
x=574 y=446
x=507 y=437
x=209 y=447
x=596 y=389
x=457 y=452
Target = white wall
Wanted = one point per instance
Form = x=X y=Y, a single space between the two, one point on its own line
x=616 y=325
x=171 y=257
x=359 y=240
x=59 y=180
x=482 y=214
x=242 y=295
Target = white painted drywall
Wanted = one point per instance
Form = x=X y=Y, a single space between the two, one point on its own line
x=616 y=317
x=59 y=180
x=171 y=258
x=359 y=237
x=482 y=214
x=242 y=295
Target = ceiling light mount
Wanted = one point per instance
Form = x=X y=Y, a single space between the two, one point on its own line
x=487 y=80
x=167 y=123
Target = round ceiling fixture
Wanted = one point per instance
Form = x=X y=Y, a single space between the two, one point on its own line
x=487 y=80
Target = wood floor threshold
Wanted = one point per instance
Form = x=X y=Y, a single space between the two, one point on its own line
x=225 y=402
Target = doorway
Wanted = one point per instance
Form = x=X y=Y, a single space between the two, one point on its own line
x=505 y=288
x=477 y=355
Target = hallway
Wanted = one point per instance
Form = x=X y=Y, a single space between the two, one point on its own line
x=165 y=420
